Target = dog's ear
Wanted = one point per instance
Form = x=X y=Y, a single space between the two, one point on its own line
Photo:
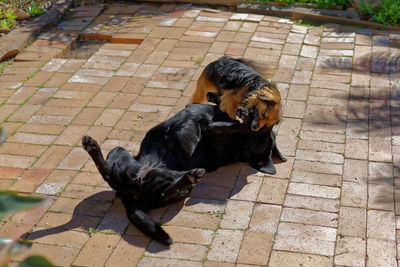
x=268 y=98
x=269 y=95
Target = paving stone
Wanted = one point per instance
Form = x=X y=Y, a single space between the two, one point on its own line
x=177 y=251
x=190 y=235
x=309 y=217
x=265 y=218
x=246 y=187
x=70 y=239
x=255 y=248
x=283 y=258
x=356 y=170
x=272 y=191
x=319 y=156
x=128 y=251
x=381 y=252
x=160 y=262
x=350 y=251
x=185 y=218
x=74 y=160
x=304 y=238
x=30 y=180
x=60 y=256
x=354 y=194
x=318 y=204
x=352 y=222
x=238 y=215
x=309 y=51
x=225 y=245
x=97 y=250
x=357 y=149
x=381 y=225
x=314 y=190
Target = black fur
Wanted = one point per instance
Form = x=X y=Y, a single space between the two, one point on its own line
x=230 y=74
x=175 y=154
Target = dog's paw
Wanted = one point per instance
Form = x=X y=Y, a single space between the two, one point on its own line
x=183 y=193
x=244 y=114
x=195 y=175
x=89 y=144
x=213 y=98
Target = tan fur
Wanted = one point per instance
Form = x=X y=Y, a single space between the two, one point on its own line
x=259 y=99
x=231 y=99
x=202 y=87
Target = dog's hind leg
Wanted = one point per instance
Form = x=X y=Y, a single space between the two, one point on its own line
x=93 y=148
x=142 y=221
x=184 y=183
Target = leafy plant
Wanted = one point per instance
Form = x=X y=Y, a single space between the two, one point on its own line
x=34 y=9
x=10 y=15
x=219 y=214
x=5 y=24
x=10 y=202
x=35 y=261
x=386 y=12
x=92 y=231
x=319 y=3
x=8 y=19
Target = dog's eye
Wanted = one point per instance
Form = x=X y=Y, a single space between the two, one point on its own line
x=264 y=115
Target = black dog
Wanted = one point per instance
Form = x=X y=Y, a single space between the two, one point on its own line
x=175 y=154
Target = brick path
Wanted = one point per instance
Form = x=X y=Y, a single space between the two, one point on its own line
x=335 y=201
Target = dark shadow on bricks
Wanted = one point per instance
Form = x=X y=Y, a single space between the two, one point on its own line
x=386 y=192
x=380 y=62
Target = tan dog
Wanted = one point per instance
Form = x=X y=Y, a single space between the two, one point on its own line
x=238 y=82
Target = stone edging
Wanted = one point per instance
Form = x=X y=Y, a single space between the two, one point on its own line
x=12 y=43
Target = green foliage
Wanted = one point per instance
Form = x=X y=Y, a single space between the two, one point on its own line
x=219 y=214
x=319 y=3
x=35 y=261
x=18 y=247
x=5 y=24
x=10 y=202
x=386 y=12
x=34 y=9
x=8 y=19
x=10 y=15
x=92 y=231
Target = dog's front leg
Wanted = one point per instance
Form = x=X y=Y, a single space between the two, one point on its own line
x=186 y=182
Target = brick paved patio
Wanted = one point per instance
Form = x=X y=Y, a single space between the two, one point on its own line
x=335 y=201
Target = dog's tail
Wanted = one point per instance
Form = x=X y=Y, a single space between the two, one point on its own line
x=263 y=68
x=143 y=221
